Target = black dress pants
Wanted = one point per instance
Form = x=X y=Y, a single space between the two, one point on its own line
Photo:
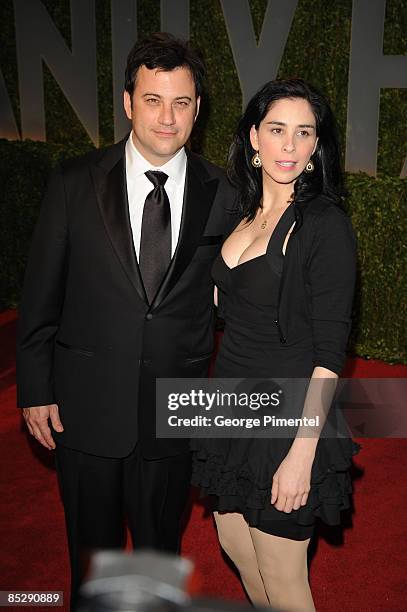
x=101 y=494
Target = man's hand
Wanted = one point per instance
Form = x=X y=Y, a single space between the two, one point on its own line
x=37 y=423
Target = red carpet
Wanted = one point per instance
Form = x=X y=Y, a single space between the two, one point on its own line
x=363 y=573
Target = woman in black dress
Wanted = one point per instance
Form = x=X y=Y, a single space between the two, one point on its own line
x=285 y=281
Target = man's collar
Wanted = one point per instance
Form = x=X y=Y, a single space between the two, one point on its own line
x=174 y=168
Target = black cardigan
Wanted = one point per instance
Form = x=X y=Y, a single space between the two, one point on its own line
x=318 y=282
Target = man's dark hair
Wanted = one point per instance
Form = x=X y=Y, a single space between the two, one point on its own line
x=164 y=52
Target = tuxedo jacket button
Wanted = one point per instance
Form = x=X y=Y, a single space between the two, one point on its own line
x=149 y=316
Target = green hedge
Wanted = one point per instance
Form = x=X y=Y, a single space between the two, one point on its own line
x=318 y=50
x=378 y=211
x=377 y=208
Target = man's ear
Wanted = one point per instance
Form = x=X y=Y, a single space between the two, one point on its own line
x=127 y=104
x=253 y=138
x=198 y=104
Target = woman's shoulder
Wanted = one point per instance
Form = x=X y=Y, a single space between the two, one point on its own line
x=321 y=214
x=325 y=231
x=322 y=206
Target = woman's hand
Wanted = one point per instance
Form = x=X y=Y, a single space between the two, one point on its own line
x=292 y=480
x=291 y=483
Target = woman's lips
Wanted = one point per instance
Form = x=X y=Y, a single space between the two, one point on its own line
x=286 y=165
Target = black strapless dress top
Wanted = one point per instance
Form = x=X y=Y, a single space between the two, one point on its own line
x=238 y=472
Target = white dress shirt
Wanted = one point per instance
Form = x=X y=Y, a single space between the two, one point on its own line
x=138 y=187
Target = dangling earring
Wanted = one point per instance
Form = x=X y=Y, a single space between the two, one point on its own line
x=310 y=167
x=256 y=161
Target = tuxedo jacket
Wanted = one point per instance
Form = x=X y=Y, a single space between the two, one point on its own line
x=88 y=340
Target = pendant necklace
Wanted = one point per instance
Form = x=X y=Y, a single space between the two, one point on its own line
x=263 y=224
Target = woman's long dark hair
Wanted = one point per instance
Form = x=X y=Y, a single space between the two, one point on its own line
x=326 y=178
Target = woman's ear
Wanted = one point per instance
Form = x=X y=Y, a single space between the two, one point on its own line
x=254 y=138
x=315 y=146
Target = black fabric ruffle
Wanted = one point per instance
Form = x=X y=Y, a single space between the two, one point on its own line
x=240 y=472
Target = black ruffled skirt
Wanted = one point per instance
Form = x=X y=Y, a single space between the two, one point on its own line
x=238 y=473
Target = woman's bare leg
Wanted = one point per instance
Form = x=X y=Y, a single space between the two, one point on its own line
x=282 y=563
x=235 y=539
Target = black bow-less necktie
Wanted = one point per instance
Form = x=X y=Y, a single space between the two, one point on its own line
x=155 y=243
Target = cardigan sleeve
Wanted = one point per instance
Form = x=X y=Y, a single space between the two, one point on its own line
x=332 y=276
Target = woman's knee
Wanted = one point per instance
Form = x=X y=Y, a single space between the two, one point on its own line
x=282 y=573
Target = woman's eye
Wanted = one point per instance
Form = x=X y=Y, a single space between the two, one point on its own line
x=304 y=133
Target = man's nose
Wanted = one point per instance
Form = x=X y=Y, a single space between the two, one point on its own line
x=167 y=116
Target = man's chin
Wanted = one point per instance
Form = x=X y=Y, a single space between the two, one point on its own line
x=166 y=153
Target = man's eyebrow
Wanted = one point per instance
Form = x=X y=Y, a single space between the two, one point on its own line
x=301 y=125
x=158 y=96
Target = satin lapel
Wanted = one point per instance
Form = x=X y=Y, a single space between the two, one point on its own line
x=199 y=194
x=111 y=191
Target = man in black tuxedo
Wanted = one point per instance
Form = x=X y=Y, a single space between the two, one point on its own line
x=118 y=292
